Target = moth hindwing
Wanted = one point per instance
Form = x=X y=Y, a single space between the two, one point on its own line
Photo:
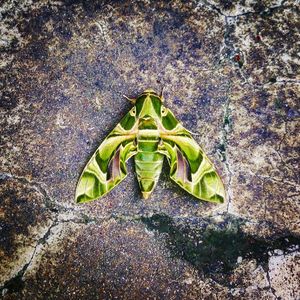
x=150 y=132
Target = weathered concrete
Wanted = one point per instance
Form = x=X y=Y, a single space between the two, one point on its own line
x=230 y=71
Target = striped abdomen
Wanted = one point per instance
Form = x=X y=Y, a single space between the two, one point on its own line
x=148 y=162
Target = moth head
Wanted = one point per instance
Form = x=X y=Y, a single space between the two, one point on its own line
x=146 y=92
x=148 y=103
x=149 y=91
x=153 y=92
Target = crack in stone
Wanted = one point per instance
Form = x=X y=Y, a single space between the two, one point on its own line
x=41 y=241
x=278 y=151
x=269 y=84
x=272 y=178
x=270 y=285
x=283 y=81
x=18 y=278
x=228 y=49
x=265 y=199
x=50 y=203
x=225 y=132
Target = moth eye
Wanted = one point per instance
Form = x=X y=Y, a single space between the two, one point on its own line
x=164 y=111
x=133 y=111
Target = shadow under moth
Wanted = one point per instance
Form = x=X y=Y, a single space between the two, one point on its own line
x=150 y=132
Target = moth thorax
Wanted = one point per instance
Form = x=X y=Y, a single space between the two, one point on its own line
x=148 y=134
x=147 y=123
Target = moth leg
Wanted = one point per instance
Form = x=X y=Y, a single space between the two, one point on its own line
x=162 y=149
x=132 y=100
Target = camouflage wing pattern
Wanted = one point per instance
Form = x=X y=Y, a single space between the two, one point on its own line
x=150 y=131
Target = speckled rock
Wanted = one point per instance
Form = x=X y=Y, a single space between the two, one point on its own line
x=230 y=72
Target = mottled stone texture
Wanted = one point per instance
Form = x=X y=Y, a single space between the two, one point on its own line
x=230 y=70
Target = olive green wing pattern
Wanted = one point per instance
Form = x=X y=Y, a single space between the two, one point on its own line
x=149 y=130
x=190 y=168
x=107 y=166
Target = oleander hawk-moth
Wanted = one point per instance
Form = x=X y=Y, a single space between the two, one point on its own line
x=149 y=132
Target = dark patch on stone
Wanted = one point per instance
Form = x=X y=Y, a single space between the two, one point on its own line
x=14 y=226
x=170 y=20
x=37 y=50
x=189 y=120
x=227 y=120
x=264 y=133
x=142 y=67
x=159 y=27
x=229 y=35
x=179 y=53
x=205 y=99
x=163 y=49
x=221 y=150
x=273 y=79
x=21 y=211
x=63 y=31
x=8 y=100
x=9 y=130
x=214 y=248
x=197 y=44
x=90 y=7
x=242 y=179
x=140 y=49
x=278 y=103
x=33 y=24
x=64 y=100
x=16 y=284
x=293 y=113
x=14 y=44
x=263 y=12
x=178 y=102
x=178 y=18
x=37 y=25
x=263 y=97
x=256 y=57
x=72 y=2
x=226 y=5
x=99 y=84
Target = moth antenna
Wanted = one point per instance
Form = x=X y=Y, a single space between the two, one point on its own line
x=193 y=133
x=161 y=94
x=132 y=100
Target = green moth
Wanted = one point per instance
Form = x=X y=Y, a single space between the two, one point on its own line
x=150 y=132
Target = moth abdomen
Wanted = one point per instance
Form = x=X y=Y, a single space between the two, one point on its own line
x=148 y=166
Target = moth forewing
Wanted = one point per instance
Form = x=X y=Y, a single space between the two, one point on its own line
x=107 y=166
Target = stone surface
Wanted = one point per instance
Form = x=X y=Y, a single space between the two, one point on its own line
x=230 y=72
